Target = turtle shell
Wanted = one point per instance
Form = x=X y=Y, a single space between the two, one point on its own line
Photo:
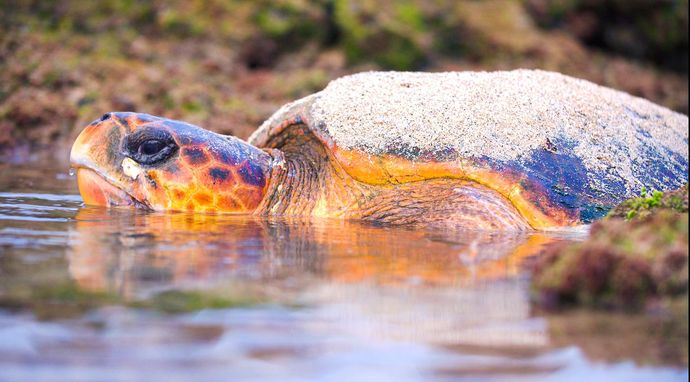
x=563 y=150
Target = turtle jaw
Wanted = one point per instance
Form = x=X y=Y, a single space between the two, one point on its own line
x=96 y=190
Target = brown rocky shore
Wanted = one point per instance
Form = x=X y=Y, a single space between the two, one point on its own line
x=227 y=65
x=636 y=258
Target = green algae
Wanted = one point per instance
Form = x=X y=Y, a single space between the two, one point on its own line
x=67 y=300
x=648 y=202
x=389 y=35
x=55 y=301
x=636 y=256
x=46 y=289
x=183 y=301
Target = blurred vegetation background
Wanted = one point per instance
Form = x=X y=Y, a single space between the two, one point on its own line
x=227 y=65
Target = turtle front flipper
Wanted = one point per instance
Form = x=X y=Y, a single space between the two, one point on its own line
x=443 y=203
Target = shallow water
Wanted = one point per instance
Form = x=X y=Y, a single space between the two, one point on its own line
x=111 y=295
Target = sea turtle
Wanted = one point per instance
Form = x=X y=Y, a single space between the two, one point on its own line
x=501 y=150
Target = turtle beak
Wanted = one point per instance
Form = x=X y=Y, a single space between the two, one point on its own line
x=83 y=149
x=100 y=181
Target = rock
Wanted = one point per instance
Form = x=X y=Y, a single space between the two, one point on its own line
x=624 y=263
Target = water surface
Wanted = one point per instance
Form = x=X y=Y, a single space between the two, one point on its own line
x=111 y=295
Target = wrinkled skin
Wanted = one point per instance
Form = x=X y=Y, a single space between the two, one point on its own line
x=130 y=159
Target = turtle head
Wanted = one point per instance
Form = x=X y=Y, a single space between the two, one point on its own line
x=133 y=159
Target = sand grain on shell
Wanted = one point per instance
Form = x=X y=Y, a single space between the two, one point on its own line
x=499 y=115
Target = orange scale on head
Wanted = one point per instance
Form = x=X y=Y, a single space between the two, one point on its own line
x=203 y=198
x=252 y=196
x=175 y=176
x=178 y=194
x=226 y=202
x=190 y=206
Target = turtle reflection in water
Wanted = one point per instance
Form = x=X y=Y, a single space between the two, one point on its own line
x=431 y=285
x=513 y=150
x=129 y=252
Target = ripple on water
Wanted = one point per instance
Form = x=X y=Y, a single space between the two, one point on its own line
x=34 y=207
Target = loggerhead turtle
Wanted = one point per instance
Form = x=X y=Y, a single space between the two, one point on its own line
x=503 y=150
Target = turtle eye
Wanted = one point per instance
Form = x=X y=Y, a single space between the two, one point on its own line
x=149 y=147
